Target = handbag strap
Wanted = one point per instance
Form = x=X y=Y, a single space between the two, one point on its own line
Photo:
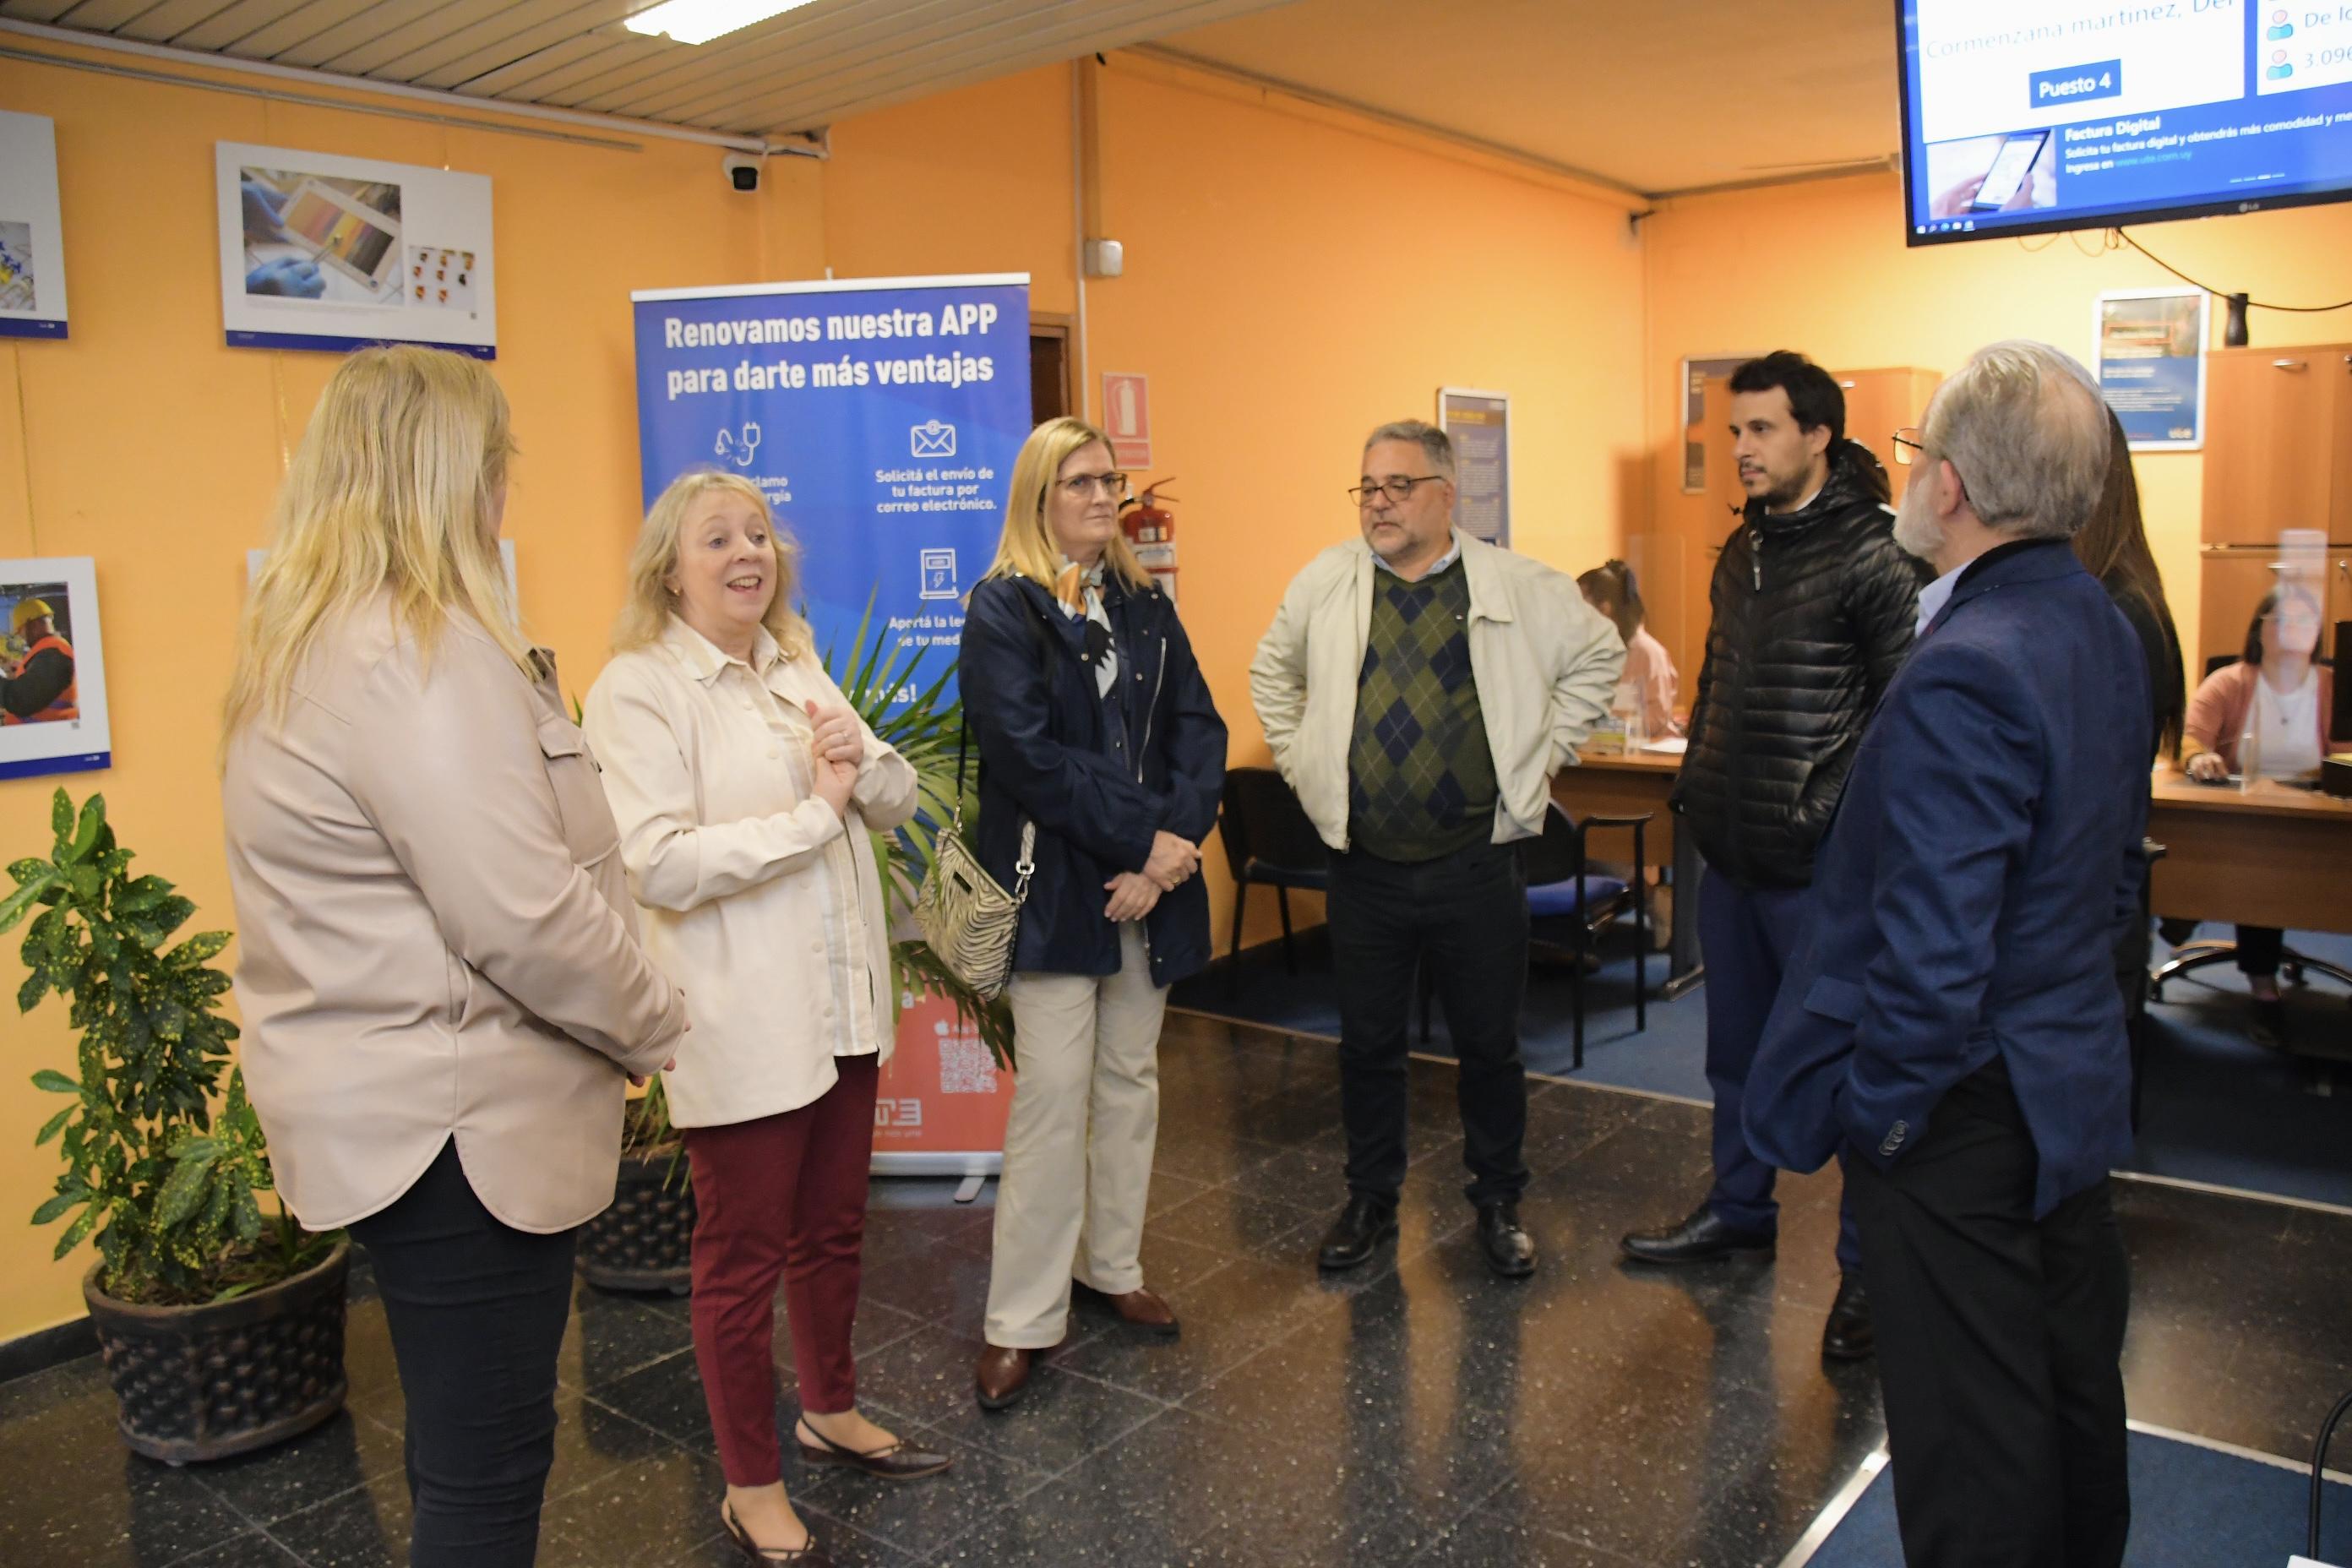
x=963 y=739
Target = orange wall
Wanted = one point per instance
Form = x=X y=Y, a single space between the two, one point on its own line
x=155 y=448
x=1290 y=283
x=1823 y=268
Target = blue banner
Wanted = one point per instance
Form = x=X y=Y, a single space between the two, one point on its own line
x=880 y=417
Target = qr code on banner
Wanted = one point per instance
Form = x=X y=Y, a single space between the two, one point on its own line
x=965 y=1066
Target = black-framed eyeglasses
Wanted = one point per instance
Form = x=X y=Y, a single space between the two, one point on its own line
x=1910 y=445
x=1396 y=486
x=1078 y=486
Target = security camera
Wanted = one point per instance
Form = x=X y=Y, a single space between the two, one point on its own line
x=743 y=171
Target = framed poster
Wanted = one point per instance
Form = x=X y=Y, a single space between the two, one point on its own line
x=318 y=252
x=2149 y=347
x=1480 y=425
x=32 y=242
x=52 y=668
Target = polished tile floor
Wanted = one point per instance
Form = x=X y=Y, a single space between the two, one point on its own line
x=1415 y=1412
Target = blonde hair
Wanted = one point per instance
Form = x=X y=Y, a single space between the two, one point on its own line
x=1026 y=547
x=650 y=603
x=395 y=487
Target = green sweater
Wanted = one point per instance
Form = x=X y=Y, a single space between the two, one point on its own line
x=1421 y=777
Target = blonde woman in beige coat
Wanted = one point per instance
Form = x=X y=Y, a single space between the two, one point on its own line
x=746 y=789
x=440 y=977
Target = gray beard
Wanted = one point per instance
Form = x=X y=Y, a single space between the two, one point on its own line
x=1916 y=528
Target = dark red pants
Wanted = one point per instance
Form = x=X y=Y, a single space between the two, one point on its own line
x=781 y=1197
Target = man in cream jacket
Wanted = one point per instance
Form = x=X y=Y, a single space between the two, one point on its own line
x=1419 y=688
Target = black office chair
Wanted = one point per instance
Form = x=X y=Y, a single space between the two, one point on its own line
x=1569 y=906
x=1268 y=840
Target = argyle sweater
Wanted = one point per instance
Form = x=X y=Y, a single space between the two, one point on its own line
x=1421 y=777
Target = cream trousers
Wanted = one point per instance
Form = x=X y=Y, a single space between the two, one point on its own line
x=1078 y=1145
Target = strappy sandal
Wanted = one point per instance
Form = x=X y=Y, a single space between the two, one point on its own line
x=897 y=1462
x=809 y=1556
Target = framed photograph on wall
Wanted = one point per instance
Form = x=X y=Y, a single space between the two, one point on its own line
x=320 y=252
x=52 y=668
x=2149 y=348
x=32 y=245
x=1479 y=423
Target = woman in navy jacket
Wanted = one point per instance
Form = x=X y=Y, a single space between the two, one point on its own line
x=1095 y=726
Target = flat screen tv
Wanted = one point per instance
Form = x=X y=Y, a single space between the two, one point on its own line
x=2031 y=116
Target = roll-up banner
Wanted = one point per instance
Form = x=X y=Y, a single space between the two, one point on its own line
x=880 y=417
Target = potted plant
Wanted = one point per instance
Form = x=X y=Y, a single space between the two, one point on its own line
x=222 y=1328
x=645 y=1241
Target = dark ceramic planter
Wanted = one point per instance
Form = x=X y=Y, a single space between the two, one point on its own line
x=645 y=1241
x=206 y=1382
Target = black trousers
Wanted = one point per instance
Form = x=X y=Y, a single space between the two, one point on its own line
x=477 y=1311
x=1467 y=914
x=1999 y=1338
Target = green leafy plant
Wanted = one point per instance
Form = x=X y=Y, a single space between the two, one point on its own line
x=884 y=682
x=169 y=1187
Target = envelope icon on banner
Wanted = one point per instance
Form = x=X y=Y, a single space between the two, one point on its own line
x=934 y=438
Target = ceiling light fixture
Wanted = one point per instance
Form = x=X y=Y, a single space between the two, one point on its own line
x=699 y=21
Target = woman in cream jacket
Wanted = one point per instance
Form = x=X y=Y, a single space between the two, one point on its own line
x=439 y=970
x=745 y=788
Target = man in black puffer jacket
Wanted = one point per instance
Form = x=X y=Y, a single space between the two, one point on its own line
x=1815 y=605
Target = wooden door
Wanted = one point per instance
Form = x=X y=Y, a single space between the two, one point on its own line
x=1878 y=402
x=2275 y=424
x=1051 y=381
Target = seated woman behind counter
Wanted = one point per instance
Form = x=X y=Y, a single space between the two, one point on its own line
x=2280 y=697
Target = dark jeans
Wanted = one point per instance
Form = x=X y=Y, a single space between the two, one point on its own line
x=477 y=1311
x=1999 y=1340
x=1748 y=935
x=1465 y=913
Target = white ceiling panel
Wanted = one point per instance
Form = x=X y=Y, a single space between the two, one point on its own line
x=1661 y=96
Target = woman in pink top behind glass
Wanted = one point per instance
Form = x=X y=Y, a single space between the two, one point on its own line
x=1611 y=589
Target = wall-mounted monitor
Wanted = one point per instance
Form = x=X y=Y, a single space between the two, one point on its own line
x=2030 y=116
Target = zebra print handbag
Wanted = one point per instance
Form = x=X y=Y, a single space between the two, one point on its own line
x=965 y=916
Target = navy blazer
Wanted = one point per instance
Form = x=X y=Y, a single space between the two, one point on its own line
x=1982 y=864
x=1037 y=724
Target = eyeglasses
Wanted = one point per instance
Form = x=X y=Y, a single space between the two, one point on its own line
x=1908 y=440
x=1078 y=486
x=1396 y=486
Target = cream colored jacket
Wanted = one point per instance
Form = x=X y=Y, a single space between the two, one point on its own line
x=434 y=938
x=1546 y=663
x=744 y=875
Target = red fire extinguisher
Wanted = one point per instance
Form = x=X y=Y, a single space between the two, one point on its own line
x=1152 y=529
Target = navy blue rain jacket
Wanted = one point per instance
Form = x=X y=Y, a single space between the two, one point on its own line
x=1038 y=725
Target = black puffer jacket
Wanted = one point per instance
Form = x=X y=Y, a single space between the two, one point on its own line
x=1813 y=612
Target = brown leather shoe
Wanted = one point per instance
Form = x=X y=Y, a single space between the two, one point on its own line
x=1003 y=1376
x=1144 y=1307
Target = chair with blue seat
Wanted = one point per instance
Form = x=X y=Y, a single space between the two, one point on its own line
x=1269 y=839
x=1569 y=905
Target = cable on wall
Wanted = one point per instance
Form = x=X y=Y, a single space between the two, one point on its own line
x=2225 y=293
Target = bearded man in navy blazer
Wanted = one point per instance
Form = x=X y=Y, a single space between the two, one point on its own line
x=1953 y=1027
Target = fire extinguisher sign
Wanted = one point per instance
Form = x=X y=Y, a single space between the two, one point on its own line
x=1126 y=416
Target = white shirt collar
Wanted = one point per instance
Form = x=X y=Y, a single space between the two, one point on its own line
x=704 y=659
x=1453 y=553
x=1936 y=596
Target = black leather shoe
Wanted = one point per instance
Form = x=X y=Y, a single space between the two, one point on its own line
x=1510 y=1251
x=1701 y=1239
x=1362 y=1225
x=1848 y=1335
